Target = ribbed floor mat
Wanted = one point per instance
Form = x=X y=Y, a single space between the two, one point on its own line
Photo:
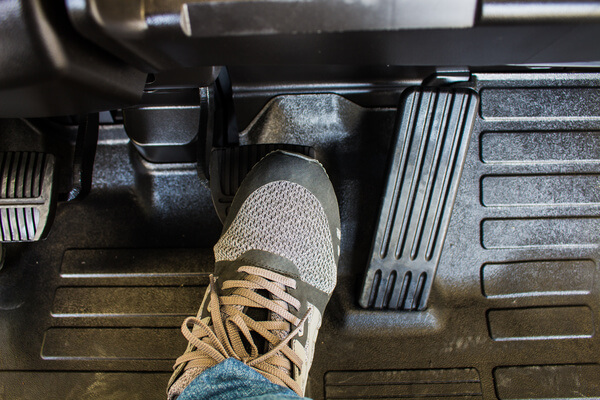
x=513 y=313
x=516 y=297
x=94 y=311
x=407 y=384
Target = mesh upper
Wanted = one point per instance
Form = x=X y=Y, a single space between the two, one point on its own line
x=286 y=219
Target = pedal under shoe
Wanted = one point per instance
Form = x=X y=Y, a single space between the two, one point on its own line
x=276 y=267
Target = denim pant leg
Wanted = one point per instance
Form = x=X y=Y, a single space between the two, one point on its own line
x=232 y=379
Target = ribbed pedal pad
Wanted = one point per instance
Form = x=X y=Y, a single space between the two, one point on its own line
x=230 y=165
x=26 y=195
x=433 y=133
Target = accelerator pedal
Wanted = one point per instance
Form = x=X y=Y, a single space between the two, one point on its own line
x=230 y=165
x=27 y=198
x=433 y=132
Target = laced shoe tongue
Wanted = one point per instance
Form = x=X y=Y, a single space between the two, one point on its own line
x=257 y=314
x=263 y=314
x=253 y=324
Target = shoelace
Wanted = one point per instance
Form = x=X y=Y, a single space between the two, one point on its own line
x=223 y=339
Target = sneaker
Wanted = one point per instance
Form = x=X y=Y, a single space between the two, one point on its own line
x=276 y=267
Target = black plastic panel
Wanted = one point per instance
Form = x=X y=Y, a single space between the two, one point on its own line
x=48 y=69
x=223 y=18
x=165 y=126
x=527 y=11
x=163 y=35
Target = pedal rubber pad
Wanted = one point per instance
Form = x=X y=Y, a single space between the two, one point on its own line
x=433 y=132
x=26 y=195
x=230 y=165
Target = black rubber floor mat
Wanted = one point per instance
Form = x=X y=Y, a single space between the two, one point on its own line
x=428 y=154
x=516 y=293
x=407 y=384
x=516 y=289
x=94 y=311
x=514 y=305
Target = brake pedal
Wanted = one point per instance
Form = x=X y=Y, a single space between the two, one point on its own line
x=433 y=133
x=27 y=198
x=230 y=165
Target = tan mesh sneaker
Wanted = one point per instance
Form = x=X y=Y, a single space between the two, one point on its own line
x=276 y=267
